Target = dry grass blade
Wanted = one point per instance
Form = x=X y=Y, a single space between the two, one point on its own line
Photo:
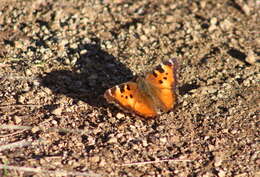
x=55 y=129
x=15 y=145
x=15 y=127
x=20 y=105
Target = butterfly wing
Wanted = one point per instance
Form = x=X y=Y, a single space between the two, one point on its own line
x=162 y=81
x=129 y=97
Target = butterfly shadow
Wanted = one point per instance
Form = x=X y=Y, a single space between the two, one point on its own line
x=93 y=73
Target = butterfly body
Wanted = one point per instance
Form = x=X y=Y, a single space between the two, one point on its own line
x=148 y=95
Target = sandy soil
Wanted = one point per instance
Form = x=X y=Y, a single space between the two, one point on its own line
x=58 y=57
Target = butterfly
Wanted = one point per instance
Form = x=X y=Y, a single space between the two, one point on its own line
x=148 y=95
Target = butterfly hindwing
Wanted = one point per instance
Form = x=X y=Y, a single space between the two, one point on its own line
x=129 y=97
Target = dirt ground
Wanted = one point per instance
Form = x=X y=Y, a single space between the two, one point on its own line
x=57 y=58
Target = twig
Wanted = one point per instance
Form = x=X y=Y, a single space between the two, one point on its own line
x=155 y=161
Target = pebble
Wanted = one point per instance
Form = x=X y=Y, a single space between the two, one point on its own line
x=35 y=129
x=94 y=159
x=163 y=140
x=218 y=161
x=67 y=61
x=143 y=38
x=17 y=119
x=213 y=21
x=251 y=57
x=21 y=99
x=221 y=173
x=57 y=111
x=54 y=122
x=112 y=140
x=120 y=115
x=226 y=25
x=246 y=9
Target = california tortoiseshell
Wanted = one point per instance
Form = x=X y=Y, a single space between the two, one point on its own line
x=149 y=95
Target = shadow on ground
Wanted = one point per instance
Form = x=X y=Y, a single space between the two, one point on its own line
x=94 y=72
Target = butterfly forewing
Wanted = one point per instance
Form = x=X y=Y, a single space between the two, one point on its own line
x=163 y=81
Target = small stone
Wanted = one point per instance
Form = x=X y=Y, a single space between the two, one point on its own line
x=221 y=173
x=64 y=42
x=145 y=143
x=218 y=160
x=102 y=162
x=208 y=174
x=18 y=44
x=67 y=61
x=57 y=111
x=143 y=38
x=246 y=9
x=84 y=51
x=94 y=159
x=74 y=61
x=30 y=53
x=163 y=140
x=241 y=175
x=234 y=131
x=74 y=46
x=47 y=91
x=212 y=90
x=36 y=83
x=106 y=35
x=120 y=115
x=26 y=87
x=112 y=140
x=203 y=4
x=251 y=57
x=212 y=28
x=21 y=99
x=35 y=129
x=170 y=18
x=213 y=21
x=54 y=122
x=108 y=45
x=185 y=103
x=17 y=119
x=226 y=25
x=257 y=41
x=211 y=147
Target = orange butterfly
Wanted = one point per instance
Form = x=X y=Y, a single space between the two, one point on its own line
x=149 y=95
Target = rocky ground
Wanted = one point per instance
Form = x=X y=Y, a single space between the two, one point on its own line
x=58 y=57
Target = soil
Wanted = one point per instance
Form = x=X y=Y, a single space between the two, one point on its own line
x=57 y=58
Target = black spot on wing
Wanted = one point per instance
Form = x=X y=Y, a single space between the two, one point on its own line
x=122 y=88
x=154 y=74
x=160 y=81
x=160 y=69
x=128 y=87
